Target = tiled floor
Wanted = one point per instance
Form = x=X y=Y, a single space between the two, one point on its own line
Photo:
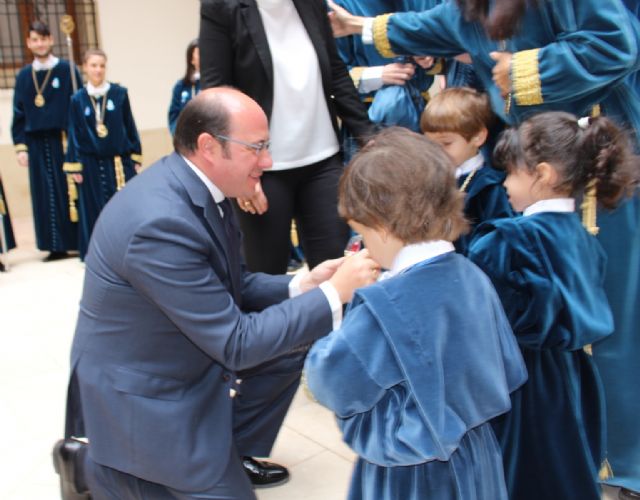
x=38 y=306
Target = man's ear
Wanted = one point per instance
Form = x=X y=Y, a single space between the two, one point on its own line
x=208 y=146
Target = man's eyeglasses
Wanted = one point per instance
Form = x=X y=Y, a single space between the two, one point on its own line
x=257 y=147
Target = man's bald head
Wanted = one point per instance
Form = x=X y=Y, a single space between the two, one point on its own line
x=211 y=111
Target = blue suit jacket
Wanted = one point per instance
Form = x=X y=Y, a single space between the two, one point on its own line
x=164 y=324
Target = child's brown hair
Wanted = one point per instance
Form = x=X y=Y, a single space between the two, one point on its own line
x=460 y=110
x=592 y=149
x=403 y=182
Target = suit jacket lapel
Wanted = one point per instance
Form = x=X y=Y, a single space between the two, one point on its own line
x=253 y=22
x=201 y=197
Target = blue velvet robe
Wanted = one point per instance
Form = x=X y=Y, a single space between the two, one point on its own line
x=391 y=105
x=421 y=363
x=39 y=131
x=180 y=96
x=485 y=199
x=96 y=155
x=6 y=221
x=617 y=356
x=549 y=274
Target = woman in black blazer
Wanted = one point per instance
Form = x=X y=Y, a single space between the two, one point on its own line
x=282 y=54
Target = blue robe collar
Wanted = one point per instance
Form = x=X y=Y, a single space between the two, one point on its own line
x=551 y=205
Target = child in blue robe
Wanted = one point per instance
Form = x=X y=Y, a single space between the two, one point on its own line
x=424 y=358
x=549 y=273
x=104 y=147
x=40 y=109
x=459 y=119
x=187 y=87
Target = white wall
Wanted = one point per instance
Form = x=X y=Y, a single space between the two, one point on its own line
x=145 y=41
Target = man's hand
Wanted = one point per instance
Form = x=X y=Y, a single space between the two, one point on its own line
x=23 y=158
x=319 y=274
x=356 y=271
x=343 y=23
x=397 y=73
x=257 y=204
x=502 y=71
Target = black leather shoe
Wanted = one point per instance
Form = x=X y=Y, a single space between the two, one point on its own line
x=625 y=494
x=68 y=461
x=53 y=256
x=264 y=474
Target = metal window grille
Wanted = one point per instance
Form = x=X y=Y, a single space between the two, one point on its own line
x=15 y=16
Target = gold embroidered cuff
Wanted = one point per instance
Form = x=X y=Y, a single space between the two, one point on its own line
x=356 y=75
x=380 y=39
x=72 y=167
x=525 y=78
x=136 y=158
x=437 y=68
x=21 y=147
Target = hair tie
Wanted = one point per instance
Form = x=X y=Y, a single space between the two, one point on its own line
x=583 y=122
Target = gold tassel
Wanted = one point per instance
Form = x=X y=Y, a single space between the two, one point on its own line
x=294 y=234
x=589 y=208
x=117 y=164
x=73 y=196
x=606 y=472
x=588 y=349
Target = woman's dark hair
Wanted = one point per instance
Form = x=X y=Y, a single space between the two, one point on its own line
x=40 y=27
x=598 y=152
x=403 y=182
x=501 y=21
x=191 y=69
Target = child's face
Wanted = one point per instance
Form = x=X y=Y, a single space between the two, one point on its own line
x=521 y=185
x=95 y=67
x=383 y=247
x=456 y=146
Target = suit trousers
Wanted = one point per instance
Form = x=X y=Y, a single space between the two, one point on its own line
x=106 y=483
x=307 y=194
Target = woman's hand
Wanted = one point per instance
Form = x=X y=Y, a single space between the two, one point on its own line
x=343 y=23
x=502 y=71
x=257 y=204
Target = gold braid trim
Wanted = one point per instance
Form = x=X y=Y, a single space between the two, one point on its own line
x=294 y=234
x=589 y=208
x=3 y=206
x=21 y=147
x=606 y=472
x=380 y=39
x=136 y=158
x=119 y=171
x=72 y=167
x=437 y=68
x=72 y=191
x=525 y=78
x=356 y=75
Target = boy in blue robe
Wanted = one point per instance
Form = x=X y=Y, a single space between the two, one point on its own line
x=40 y=109
x=424 y=358
x=549 y=273
x=104 y=146
x=187 y=87
x=459 y=119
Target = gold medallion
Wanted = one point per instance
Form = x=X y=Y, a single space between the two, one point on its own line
x=102 y=130
x=39 y=100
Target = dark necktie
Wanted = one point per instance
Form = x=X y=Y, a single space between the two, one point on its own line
x=233 y=242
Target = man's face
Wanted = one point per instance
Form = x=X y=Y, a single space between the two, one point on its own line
x=40 y=46
x=239 y=168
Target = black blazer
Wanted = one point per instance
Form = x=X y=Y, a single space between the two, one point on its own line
x=234 y=51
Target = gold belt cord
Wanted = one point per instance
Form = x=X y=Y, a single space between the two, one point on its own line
x=119 y=170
